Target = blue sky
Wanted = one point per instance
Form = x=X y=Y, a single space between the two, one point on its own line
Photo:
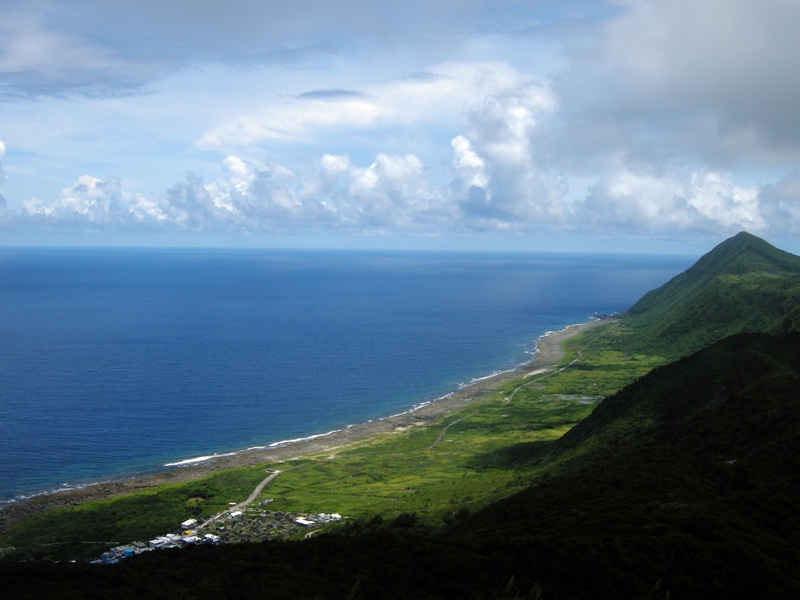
x=632 y=126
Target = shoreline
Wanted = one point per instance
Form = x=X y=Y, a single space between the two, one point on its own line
x=548 y=352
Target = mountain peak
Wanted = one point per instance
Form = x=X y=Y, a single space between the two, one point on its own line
x=745 y=253
x=743 y=284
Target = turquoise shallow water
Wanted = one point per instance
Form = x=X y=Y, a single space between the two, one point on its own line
x=120 y=361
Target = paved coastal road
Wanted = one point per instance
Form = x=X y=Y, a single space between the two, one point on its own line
x=256 y=491
x=249 y=500
x=551 y=370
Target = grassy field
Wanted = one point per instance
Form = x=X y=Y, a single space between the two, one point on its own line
x=460 y=463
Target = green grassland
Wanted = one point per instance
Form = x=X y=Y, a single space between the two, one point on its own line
x=481 y=457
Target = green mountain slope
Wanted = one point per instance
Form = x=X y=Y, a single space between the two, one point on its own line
x=744 y=284
x=689 y=477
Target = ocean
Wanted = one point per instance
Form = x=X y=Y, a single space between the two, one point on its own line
x=120 y=361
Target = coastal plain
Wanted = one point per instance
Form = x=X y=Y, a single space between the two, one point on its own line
x=614 y=469
x=449 y=457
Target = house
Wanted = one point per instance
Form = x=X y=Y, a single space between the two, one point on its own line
x=304 y=522
x=189 y=524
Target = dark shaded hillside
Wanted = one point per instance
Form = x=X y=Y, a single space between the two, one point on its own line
x=729 y=399
x=685 y=482
x=689 y=476
x=744 y=284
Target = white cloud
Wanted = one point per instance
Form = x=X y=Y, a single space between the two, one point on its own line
x=91 y=203
x=96 y=47
x=441 y=95
x=3 y=175
x=38 y=59
x=6 y=216
x=393 y=195
x=708 y=202
x=660 y=108
x=499 y=176
x=467 y=164
x=730 y=65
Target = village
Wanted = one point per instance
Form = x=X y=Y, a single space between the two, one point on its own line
x=233 y=526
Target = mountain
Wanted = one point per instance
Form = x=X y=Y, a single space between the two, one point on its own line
x=744 y=284
x=688 y=477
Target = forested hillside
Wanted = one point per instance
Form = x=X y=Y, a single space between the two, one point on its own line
x=744 y=284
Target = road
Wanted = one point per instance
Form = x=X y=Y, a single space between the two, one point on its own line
x=552 y=371
x=241 y=505
x=444 y=430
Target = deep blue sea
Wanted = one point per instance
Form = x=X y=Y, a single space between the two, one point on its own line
x=114 y=362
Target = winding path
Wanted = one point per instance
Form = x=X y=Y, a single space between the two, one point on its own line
x=444 y=429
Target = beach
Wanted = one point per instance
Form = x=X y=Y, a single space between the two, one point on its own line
x=548 y=353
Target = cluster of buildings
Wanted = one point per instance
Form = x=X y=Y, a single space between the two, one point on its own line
x=188 y=535
x=231 y=528
x=318 y=519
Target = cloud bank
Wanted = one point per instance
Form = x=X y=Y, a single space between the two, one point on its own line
x=393 y=196
x=626 y=118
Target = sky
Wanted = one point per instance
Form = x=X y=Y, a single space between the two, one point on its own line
x=569 y=125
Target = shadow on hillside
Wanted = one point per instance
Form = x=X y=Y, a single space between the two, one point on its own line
x=517 y=456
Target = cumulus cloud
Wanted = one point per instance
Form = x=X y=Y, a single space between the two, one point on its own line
x=780 y=203
x=443 y=95
x=499 y=174
x=91 y=203
x=6 y=216
x=708 y=202
x=3 y=175
x=393 y=195
x=656 y=109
